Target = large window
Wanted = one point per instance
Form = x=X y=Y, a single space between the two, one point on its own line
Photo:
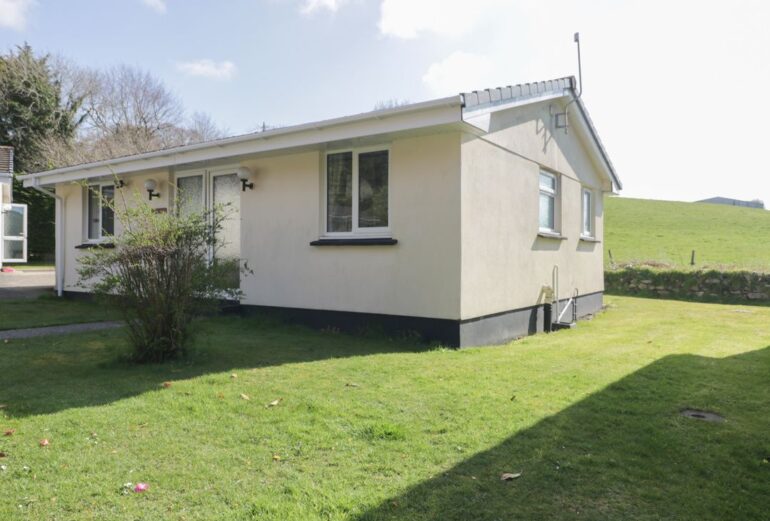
x=357 y=192
x=101 y=216
x=549 y=191
x=588 y=214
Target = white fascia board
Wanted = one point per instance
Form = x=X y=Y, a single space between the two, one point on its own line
x=595 y=146
x=409 y=117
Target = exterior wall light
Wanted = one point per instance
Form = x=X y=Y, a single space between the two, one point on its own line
x=244 y=174
x=150 y=186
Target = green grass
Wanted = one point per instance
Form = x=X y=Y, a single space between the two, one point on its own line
x=374 y=429
x=723 y=237
x=51 y=311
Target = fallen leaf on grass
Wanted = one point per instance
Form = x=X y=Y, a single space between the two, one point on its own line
x=245 y=396
x=9 y=432
x=3 y=468
x=44 y=442
x=274 y=403
x=276 y=457
x=3 y=454
x=233 y=375
x=509 y=476
x=166 y=385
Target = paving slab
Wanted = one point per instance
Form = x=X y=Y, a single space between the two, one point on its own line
x=26 y=284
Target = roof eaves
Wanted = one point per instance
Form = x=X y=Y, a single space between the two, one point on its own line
x=255 y=136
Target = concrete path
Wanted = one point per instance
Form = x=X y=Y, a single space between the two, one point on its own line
x=26 y=284
x=13 y=334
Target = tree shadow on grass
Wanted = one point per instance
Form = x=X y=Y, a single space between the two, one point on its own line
x=623 y=453
x=46 y=375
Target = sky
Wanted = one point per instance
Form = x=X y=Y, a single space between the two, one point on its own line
x=674 y=87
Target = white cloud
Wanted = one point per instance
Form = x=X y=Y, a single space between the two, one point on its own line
x=459 y=72
x=157 y=5
x=311 y=6
x=13 y=13
x=223 y=70
x=412 y=18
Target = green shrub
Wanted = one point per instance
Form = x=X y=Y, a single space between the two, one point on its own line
x=163 y=271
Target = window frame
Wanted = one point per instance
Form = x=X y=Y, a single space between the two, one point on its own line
x=355 y=230
x=591 y=232
x=554 y=194
x=207 y=176
x=87 y=213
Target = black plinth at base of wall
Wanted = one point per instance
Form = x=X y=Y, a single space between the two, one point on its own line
x=487 y=330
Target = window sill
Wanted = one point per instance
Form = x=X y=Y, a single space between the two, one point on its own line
x=357 y=241
x=92 y=245
x=551 y=235
x=589 y=239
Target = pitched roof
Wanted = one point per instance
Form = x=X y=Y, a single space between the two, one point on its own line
x=532 y=92
x=382 y=121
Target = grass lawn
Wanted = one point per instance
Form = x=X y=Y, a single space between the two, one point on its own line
x=50 y=311
x=375 y=429
x=725 y=237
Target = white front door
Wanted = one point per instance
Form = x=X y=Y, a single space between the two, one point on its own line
x=14 y=233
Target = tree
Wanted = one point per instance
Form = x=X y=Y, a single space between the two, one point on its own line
x=34 y=116
x=163 y=272
x=126 y=111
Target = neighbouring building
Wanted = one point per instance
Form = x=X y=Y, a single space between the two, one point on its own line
x=13 y=217
x=462 y=218
x=756 y=203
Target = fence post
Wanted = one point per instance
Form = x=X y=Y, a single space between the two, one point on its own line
x=692 y=258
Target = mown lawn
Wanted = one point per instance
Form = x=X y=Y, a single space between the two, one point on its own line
x=723 y=237
x=378 y=429
x=51 y=311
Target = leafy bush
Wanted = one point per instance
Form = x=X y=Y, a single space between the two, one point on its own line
x=163 y=271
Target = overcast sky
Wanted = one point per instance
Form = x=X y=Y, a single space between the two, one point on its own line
x=675 y=88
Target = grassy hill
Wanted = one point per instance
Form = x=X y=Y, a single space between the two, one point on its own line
x=724 y=237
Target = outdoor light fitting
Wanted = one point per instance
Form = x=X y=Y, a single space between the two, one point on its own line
x=244 y=174
x=150 y=186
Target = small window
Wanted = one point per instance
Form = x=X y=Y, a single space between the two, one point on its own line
x=548 y=201
x=357 y=193
x=101 y=216
x=588 y=214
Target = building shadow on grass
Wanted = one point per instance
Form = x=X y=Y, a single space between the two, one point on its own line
x=46 y=375
x=623 y=453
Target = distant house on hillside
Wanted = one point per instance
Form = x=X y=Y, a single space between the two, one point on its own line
x=756 y=203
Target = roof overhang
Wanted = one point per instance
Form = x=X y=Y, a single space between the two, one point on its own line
x=444 y=113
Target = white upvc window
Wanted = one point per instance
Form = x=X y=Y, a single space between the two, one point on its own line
x=100 y=216
x=549 y=201
x=587 y=227
x=356 y=198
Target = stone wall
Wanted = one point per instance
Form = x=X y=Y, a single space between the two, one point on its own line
x=708 y=285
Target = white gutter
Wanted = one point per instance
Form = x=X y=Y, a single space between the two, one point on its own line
x=407 y=117
x=59 y=228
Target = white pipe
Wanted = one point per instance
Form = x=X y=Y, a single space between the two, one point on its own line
x=59 y=228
